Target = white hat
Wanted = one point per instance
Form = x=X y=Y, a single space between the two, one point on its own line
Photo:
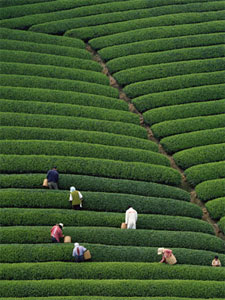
x=72 y=189
x=160 y=251
x=76 y=244
x=61 y=224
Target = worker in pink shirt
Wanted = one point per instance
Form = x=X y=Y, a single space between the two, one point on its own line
x=56 y=233
x=168 y=257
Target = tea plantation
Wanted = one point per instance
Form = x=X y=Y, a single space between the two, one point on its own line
x=127 y=99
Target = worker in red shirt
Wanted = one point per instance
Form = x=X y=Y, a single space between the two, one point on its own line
x=167 y=256
x=56 y=233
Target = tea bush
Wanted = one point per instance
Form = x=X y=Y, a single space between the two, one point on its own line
x=216 y=208
x=115 y=236
x=46 y=217
x=183 y=111
x=193 y=139
x=90 y=166
x=200 y=155
x=179 y=126
x=181 y=96
x=76 y=149
x=163 y=44
x=63 y=122
x=211 y=189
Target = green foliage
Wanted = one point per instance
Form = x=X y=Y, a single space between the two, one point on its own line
x=183 y=111
x=110 y=270
x=69 y=287
x=101 y=297
x=222 y=224
x=216 y=208
x=91 y=27
x=16 y=253
x=164 y=44
x=193 y=139
x=200 y=155
x=90 y=166
x=39 y=38
x=207 y=171
x=173 y=83
x=67 y=97
x=63 y=122
x=53 y=72
x=44 y=48
x=151 y=61
x=77 y=149
x=179 y=126
x=115 y=236
x=100 y=184
x=46 y=217
x=210 y=189
x=70 y=110
x=92 y=137
x=181 y=96
x=142 y=73
x=49 y=59
x=156 y=33
x=58 y=84
x=99 y=201
x=7 y=3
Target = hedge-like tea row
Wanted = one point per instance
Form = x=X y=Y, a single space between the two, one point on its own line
x=16 y=253
x=210 y=189
x=110 y=270
x=7 y=3
x=69 y=287
x=59 y=84
x=153 y=59
x=49 y=59
x=100 y=298
x=164 y=44
x=156 y=33
x=167 y=70
x=216 y=208
x=53 y=72
x=93 y=137
x=91 y=27
x=193 y=139
x=97 y=113
x=48 y=121
x=107 y=202
x=90 y=166
x=183 y=111
x=222 y=224
x=56 y=96
x=44 y=48
x=116 y=237
x=181 y=96
x=172 y=127
x=47 y=217
x=200 y=155
x=207 y=171
x=28 y=21
x=40 y=38
x=173 y=83
x=77 y=149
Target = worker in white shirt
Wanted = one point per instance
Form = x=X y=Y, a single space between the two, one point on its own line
x=131 y=218
x=78 y=252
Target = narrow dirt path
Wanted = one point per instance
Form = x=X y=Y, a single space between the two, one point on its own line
x=184 y=184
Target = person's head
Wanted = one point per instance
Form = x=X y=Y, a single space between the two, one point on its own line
x=160 y=251
x=216 y=257
x=129 y=207
x=72 y=189
x=76 y=245
x=61 y=225
x=54 y=168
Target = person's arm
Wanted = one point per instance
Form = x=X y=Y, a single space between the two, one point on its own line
x=163 y=259
x=126 y=217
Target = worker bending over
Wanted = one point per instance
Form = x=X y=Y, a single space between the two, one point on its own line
x=167 y=256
